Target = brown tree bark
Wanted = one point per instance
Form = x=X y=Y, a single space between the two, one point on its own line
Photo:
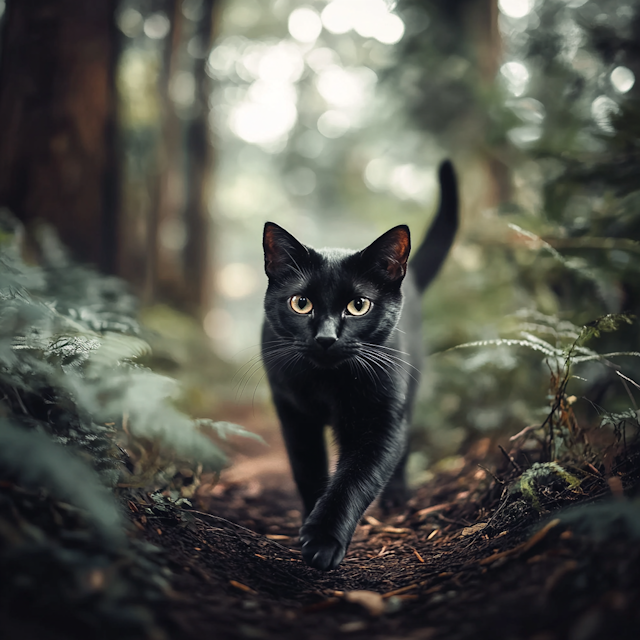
x=61 y=146
x=197 y=264
x=57 y=113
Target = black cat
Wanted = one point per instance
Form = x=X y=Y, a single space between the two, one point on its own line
x=342 y=346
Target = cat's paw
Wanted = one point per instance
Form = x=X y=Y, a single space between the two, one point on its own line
x=321 y=550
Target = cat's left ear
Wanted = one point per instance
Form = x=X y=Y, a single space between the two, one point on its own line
x=391 y=252
x=282 y=252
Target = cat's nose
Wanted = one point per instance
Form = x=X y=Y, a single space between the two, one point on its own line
x=325 y=341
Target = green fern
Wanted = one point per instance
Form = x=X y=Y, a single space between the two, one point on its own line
x=35 y=461
x=69 y=381
x=570 y=339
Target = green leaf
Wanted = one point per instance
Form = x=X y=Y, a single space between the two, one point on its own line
x=35 y=461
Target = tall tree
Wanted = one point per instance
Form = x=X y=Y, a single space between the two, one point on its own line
x=57 y=109
x=68 y=135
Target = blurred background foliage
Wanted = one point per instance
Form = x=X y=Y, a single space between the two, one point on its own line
x=330 y=118
x=83 y=425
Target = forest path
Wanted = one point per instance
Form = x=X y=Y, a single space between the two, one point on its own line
x=455 y=564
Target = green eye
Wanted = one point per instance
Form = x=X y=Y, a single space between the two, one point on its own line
x=359 y=306
x=300 y=304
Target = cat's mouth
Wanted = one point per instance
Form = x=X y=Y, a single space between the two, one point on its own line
x=327 y=359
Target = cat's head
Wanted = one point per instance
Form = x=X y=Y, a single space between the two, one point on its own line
x=329 y=302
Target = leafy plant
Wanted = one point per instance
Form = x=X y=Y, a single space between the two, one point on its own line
x=78 y=418
x=564 y=348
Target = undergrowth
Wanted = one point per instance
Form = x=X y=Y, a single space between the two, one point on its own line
x=81 y=420
x=565 y=458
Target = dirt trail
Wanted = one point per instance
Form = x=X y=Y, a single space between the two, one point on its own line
x=458 y=563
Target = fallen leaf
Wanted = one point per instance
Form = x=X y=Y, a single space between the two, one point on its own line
x=435 y=507
x=395 y=530
x=469 y=531
x=370 y=600
x=242 y=587
x=418 y=556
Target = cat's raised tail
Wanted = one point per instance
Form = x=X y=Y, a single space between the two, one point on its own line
x=428 y=259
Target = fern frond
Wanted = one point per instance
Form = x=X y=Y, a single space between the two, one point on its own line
x=32 y=459
x=499 y=342
x=146 y=398
x=604 y=356
x=543 y=344
x=606 y=324
x=543 y=329
x=117 y=347
x=550 y=321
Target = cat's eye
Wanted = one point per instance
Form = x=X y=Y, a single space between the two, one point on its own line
x=359 y=306
x=300 y=304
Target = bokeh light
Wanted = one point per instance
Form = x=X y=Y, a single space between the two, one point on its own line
x=266 y=116
x=305 y=24
x=622 y=79
x=349 y=88
x=333 y=124
x=525 y=136
x=157 y=26
x=368 y=18
x=130 y=22
x=516 y=8
x=516 y=76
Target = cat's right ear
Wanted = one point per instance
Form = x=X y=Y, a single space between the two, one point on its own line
x=282 y=252
x=390 y=252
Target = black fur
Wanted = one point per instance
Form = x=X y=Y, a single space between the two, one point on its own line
x=357 y=373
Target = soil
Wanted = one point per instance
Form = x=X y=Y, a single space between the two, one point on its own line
x=467 y=558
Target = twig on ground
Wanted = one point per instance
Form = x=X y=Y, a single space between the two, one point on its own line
x=510 y=458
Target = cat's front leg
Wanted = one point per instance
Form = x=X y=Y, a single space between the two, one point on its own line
x=304 y=438
x=366 y=463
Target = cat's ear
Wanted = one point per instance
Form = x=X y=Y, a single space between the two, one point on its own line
x=282 y=252
x=390 y=252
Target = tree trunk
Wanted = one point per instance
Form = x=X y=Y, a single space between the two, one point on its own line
x=199 y=169
x=57 y=112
